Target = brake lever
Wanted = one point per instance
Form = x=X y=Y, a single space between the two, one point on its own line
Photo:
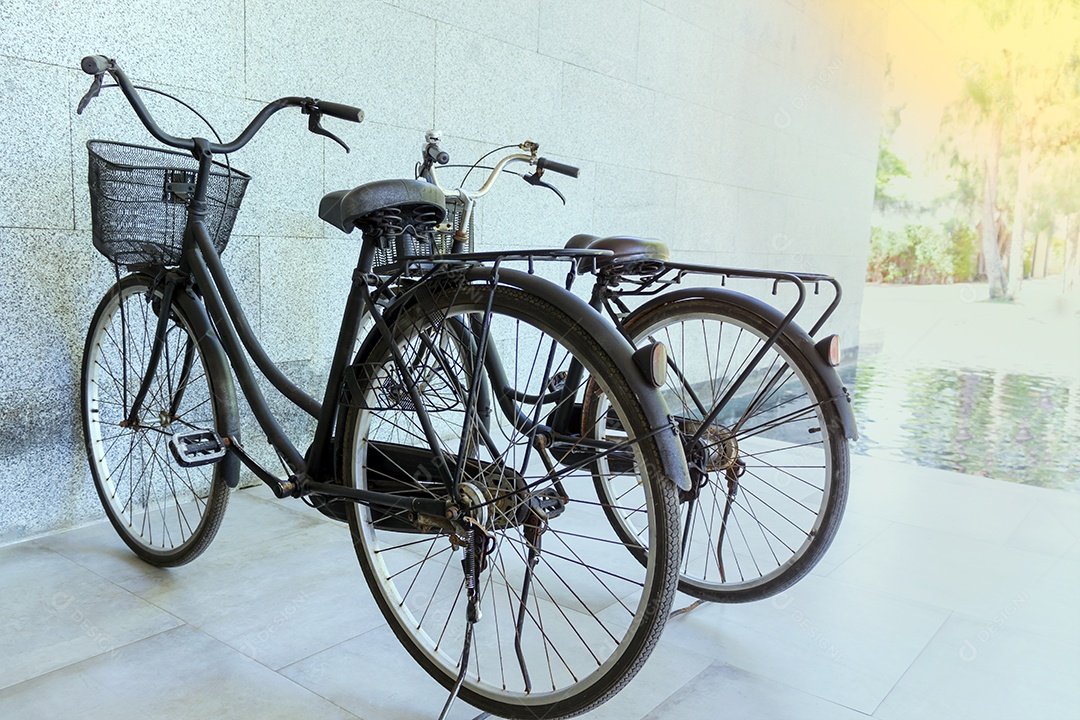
x=95 y=89
x=534 y=179
x=313 y=124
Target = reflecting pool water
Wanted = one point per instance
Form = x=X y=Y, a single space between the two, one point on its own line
x=1008 y=426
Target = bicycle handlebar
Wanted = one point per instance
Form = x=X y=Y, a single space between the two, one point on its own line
x=433 y=155
x=99 y=64
x=96 y=64
x=557 y=167
x=339 y=111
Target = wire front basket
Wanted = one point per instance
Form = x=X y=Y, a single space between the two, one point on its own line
x=139 y=202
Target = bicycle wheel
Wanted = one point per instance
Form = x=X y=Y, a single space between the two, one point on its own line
x=567 y=615
x=166 y=513
x=770 y=475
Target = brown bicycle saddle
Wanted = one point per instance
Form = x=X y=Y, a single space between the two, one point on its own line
x=625 y=250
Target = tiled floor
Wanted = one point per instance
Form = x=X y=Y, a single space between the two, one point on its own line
x=944 y=596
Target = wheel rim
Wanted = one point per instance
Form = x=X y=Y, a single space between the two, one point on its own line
x=782 y=469
x=157 y=505
x=588 y=594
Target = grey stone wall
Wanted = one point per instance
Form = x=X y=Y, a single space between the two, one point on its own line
x=743 y=132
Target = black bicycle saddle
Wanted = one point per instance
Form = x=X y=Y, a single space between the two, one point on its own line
x=345 y=208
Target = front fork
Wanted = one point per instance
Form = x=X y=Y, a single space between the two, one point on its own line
x=161 y=329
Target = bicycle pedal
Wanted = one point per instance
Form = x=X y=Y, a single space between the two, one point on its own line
x=197 y=447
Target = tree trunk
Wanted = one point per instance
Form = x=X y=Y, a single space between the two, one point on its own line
x=1072 y=252
x=1040 y=252
x=1016 y=246
x=991 y=256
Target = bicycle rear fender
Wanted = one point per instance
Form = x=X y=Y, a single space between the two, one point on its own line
x=657 y=415
x=792 y=332
x=218 y=370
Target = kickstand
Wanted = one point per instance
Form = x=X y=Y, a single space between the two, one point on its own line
x=682 y=611
x=472 y=614
x=461 y=675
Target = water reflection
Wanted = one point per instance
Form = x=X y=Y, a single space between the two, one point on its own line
x=1008 y=426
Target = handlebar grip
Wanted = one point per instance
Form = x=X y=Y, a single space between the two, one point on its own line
x=96 y=64
x=558 y=167
x=436 y=155
x=342 y=112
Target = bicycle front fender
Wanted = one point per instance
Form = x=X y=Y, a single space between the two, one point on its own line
x=795 y=334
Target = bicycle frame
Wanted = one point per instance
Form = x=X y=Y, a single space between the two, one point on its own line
x=233 y=333
x=313 y=473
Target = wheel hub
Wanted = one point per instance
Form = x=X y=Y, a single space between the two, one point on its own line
x=476 y=504
x=721 y=449
x=716 y=450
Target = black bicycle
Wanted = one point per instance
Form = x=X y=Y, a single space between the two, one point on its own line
x=762 y=414
x=451 y=440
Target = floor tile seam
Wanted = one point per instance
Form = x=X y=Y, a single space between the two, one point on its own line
x=985 y=622
x=319 y=695
x=293 y=506
x=885 y=595
x=1035 y=508
x=998 y=486
x=276 y=540
x=954 y=535
x=878 y=515
x=915 y=602
x=285 y=678
x=303 y=687
x=793 y=688
x=141 y=594
x=1058 y=560
x=338 y=644
x=912 y=664
x=1070 y=549
x=37 y=537
x=888 y=524
x=946 y=614
x=61 y=553
x=95 y=656
x=112 y=582
x=683 y=685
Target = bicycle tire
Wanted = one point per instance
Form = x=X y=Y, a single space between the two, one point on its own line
x=167 y=514
x=766 y=529
x=563 y=619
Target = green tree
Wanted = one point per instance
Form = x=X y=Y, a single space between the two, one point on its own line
x=1017 y=114
x=890 y=165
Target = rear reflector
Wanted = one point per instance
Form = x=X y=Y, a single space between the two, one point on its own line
x=829 y=349
x=652 y=361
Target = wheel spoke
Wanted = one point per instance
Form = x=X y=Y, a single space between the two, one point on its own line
x=773 y=471
x=560 y=593
x=161 y=509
